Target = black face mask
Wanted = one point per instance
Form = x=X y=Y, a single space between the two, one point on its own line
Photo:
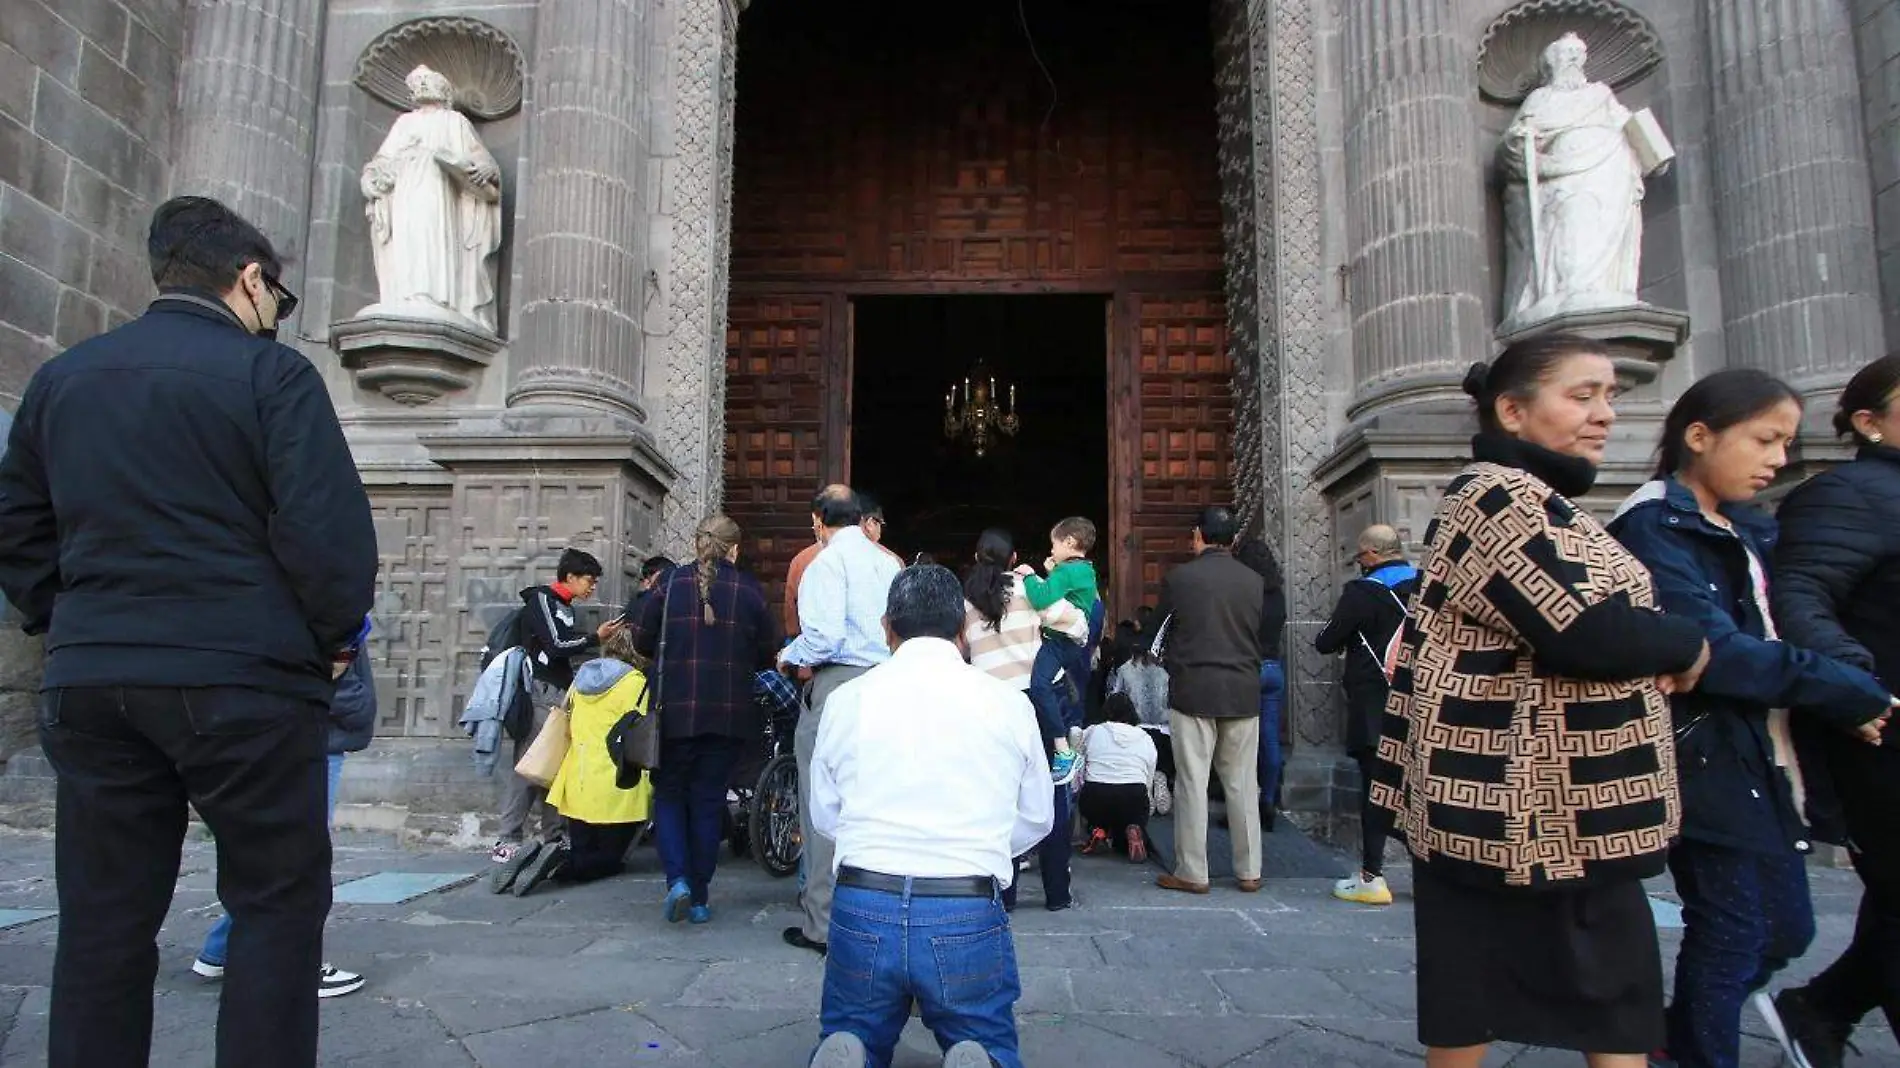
x=269 y=333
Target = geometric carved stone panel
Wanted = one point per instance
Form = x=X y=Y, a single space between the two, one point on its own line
x=410 y=640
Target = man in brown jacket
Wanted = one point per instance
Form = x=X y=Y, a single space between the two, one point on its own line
x=1213 y=609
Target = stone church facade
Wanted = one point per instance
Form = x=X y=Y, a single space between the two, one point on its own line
x=1286 y=334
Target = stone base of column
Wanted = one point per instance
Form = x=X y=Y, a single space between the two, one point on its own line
x=1319 y=786
x=527 y=483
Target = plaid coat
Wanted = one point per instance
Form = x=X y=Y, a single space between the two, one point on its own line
x=1525 y=742
x=706 y=682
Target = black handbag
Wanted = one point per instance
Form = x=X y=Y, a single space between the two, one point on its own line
x=634 y=741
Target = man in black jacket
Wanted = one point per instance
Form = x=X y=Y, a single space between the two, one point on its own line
x=556 y=644
x=1214 y=608
x=181 y=517
x=1369 y=612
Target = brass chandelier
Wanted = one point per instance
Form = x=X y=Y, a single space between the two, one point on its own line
x=974 y=410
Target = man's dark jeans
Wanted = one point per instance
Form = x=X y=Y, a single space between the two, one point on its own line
x=128 y=761
x=689 y=807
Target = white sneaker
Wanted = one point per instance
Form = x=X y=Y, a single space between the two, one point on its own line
x=334 y=982
x=967 y=1054
x=1160 y=798
x=840 y=1049
x=1363 y=891
x=207 y=969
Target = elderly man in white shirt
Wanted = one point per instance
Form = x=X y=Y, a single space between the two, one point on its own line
x=840 y=636
x=929 y=775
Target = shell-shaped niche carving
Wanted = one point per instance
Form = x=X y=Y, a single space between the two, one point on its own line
x=1623 y=46
x=484 y=64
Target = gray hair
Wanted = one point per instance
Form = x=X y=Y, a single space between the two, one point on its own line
x=926 y=601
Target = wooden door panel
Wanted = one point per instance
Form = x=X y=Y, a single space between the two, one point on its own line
x=1184 y=415
x=775 y=425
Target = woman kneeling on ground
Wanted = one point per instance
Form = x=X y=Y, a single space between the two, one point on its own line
x=1118 y=763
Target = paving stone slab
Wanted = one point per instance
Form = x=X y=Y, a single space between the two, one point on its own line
x=396 y=887
x=11 y=918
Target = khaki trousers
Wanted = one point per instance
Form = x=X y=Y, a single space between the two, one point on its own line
x=818 y=859
x=1231 y=747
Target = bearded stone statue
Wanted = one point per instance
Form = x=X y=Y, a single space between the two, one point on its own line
x=1574 y=160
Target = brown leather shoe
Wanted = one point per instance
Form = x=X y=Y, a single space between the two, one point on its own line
x=1169 y=882
x=1248 y=886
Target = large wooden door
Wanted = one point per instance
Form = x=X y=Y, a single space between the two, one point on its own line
x=775 y=425
x=1176 y=403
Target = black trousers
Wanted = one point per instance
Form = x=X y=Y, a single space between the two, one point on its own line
x=1867 y=975
x=128 y=761
x=596 y=850
x=1115 y=807
x=1371 y=833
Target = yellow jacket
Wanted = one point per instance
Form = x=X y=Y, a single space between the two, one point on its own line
x=584 y=788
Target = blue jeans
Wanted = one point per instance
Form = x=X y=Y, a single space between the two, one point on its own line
x=954 y=956
x=217 y=941
x=1059 y=701
x=689 y=807
x=1272 y=696
x=1745 y=916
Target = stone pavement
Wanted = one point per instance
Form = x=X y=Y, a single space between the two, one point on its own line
x=588 y=976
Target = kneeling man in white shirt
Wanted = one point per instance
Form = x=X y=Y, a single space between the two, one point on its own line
x=930 y=777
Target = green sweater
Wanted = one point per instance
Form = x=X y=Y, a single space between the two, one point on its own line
x=1072 y=579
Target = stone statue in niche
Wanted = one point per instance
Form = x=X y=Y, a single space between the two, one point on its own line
x=434 y=212
x=1574 y=160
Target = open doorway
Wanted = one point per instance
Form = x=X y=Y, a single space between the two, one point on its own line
x=910 y=352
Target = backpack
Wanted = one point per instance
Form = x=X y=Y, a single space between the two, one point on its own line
x=1389 y=662
x=507 y=633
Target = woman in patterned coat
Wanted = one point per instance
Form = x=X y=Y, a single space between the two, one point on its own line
x=1526 y=750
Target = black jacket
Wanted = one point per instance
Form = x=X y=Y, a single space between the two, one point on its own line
x=1732 y=792
x=178 y=508
x=555 y=643
x=1837 y=592
x=1214 y=607
x=1370 y=610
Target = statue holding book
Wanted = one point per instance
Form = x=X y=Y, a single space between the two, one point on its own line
x=1574 y=160
x=434 y=210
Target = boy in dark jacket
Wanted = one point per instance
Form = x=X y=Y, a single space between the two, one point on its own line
x=1371 y=609
x=555 y=643
x=352 y=723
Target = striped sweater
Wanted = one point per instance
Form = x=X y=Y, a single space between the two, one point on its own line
x=1008 y=652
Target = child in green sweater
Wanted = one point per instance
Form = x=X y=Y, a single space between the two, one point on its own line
x=1071 y=578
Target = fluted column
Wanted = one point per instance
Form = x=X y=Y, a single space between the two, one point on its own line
x=584 y=238
x=247 y=113
x=1800 y=286
x=1414 y=201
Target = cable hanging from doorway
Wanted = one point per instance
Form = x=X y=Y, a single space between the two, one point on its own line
x=1055 y=93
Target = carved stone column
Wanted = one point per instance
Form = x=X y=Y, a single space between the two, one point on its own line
x=1800 y=285
x=1414 y=201
x=584 y=233
x=247 y=101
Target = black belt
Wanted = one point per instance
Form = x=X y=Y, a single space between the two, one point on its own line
x=954 y=886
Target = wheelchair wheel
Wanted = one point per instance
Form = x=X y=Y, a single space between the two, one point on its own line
x=777 y=840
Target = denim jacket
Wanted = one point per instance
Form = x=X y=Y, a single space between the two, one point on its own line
x=1733 y=792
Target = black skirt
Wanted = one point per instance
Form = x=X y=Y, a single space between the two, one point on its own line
x=1573 y=969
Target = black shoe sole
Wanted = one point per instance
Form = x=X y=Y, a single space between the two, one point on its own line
x=796 y=937
x=544 y=865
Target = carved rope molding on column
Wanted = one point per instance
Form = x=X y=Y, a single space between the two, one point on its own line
x=691 y=390
x=1286 y=74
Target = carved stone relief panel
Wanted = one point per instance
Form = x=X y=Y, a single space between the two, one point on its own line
x=412 y=618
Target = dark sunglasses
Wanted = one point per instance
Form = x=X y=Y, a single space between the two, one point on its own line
x=286 y=300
